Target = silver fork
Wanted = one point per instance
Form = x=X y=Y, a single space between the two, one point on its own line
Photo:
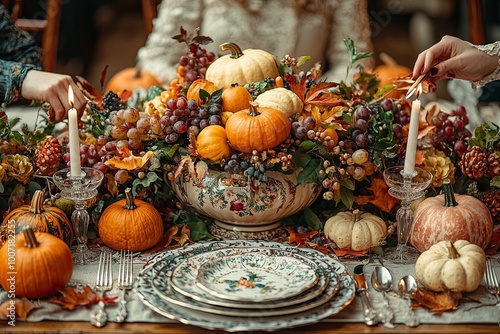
x=125 y=282
x=104 y=282
x=492 y=283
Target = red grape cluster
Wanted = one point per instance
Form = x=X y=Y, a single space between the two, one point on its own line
x=194 y=65
x=451 y=132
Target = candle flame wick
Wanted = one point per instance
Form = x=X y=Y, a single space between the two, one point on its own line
x=70 y=96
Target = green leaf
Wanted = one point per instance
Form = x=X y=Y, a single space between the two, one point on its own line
x=150 y=178
x=307 y=145
x=347 y=197
x=495 y=181
x=2 y=188
x=300 y=159
x=302 y=60
x=204 y=95
x=347 y=183
x=312 y=220
x=310 y=173
x=198 y=229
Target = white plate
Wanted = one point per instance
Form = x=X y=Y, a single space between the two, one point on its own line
x=148 y=295
x=256 y=277
x=185 y=272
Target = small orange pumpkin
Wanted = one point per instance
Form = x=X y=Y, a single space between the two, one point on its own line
x=42 y=263
x=193 y=92
x=212 y=143
x=236 y=98
x=390 y=71
x=41 y=218
x=257 y=129
x=130 y=224
x=130 y=79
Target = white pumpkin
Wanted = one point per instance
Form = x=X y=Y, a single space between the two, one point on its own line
x=458 y=266
x=355 y=230
x=281 y=99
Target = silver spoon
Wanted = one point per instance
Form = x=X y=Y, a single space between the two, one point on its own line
x=406 y=286
x=382 y=282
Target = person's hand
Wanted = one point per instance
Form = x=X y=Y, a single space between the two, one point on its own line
x=53 y=88
x=454 y=58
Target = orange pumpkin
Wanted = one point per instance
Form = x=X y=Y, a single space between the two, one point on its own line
x=390 y=71
x=193 y=92
x=236 y=98
x=130 y=224
x=257 y=129
x=42 y=263
x=41 y=218
x=130 y=79
x=212 y=143
x=451 y=217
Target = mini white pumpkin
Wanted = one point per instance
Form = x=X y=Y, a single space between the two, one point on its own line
x=281 y=99
x=355 y=230
x=451 y=266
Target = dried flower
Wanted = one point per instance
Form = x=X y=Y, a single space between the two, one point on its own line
x=440 y=166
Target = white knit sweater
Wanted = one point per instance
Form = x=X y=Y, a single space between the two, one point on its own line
x=315 y=28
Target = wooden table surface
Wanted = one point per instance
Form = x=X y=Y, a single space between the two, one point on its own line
x=177 y=328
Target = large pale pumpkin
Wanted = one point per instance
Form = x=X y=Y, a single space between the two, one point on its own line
x=130 y=79
x=355 y=230
x=451 y=217
x=257 y=129
x=241 y=67
x=42 y=264
x=130 y=224
x=281 y=99
x=41 y=218
x=211 y=143
x=451 y=266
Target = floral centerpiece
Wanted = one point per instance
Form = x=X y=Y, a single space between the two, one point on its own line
x=340 y=136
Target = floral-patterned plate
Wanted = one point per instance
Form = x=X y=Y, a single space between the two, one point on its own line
x=149 y=296
x=256 y=277
x=185 y=272
x=161 y=283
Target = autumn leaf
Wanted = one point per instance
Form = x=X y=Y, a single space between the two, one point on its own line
x=130 y=162
x=494 y=244
x=111 y=184
x=380 y=196
x=70 y=298
x=300 y=239
x=184 y=235
x=437 y=302
x=344 y=252
x=23 y=308
x=165 y=240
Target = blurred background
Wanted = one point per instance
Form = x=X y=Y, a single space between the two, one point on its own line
x=96 y=33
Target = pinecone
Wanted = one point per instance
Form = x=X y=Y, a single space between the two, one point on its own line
x=493 y=164
x=473 y=162
x=492 y=201
x=48 y=155
x=111 y=101
x=11 y=146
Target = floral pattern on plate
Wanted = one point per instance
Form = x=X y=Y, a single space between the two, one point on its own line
x=149 y=296
x=256 y=277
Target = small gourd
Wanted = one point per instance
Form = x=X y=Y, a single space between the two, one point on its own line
x=281 y=99
x=212 y=144
x=130 y=79
x=130 y=224
x=42 y=264
x=451 y=217
x=236 y=98
x=257 y=129
x=355 y=230
x=41 y=218
x=193 y=92
x=241 y=67
x=457 y=266
x=389 y=72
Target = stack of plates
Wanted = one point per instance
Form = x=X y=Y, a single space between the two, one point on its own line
x=245 y=285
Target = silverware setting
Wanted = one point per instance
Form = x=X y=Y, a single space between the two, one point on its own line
x=369 y=313
x=491 y=283
x=406 y=286
x=125 y=282
x=104 y=282
x=382 y=282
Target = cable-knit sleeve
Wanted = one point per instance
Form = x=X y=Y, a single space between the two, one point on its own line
x=349 y=20
x=161 y=53
x=492 y=49
x=19 y=53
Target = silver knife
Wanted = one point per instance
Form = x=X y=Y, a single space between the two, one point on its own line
x=369 y=312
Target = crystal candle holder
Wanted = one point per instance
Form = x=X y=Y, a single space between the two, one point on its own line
x=406 y=188
x=79 y=189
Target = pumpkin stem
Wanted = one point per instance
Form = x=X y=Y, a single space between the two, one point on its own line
x=37 y=203
x=253 y=109
x=129 y=200
x=453 y=252
x=29 y=236
x=137 y=73
x=355 y=214
x=449 y=194
x=388 y=60
x=235 y=49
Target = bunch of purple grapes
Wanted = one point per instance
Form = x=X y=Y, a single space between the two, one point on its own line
x=194 y=65
x=451 y=132
x=239 y=164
